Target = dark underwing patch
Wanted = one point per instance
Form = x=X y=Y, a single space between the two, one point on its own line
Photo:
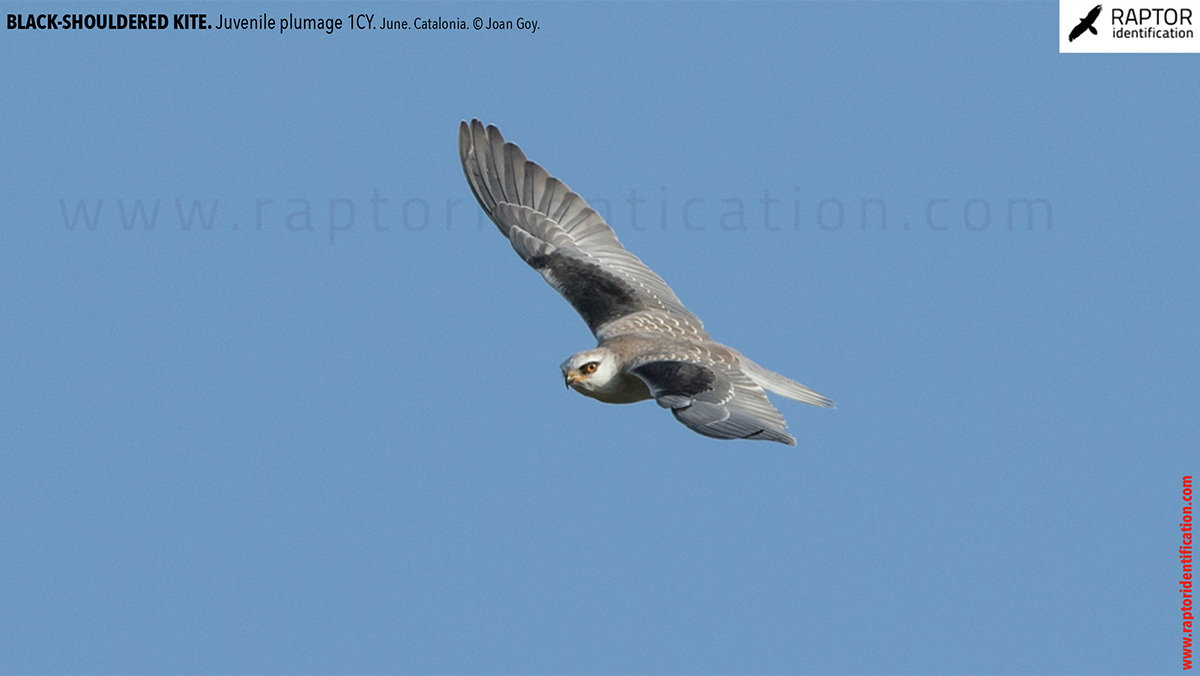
x=677 y=378
x=598 y=296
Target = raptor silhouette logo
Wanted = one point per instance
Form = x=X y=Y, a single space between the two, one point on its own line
x=1085 y=24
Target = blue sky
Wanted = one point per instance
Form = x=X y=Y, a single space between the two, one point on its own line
x=245 y=449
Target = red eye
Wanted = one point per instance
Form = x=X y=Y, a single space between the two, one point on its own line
x=589 y=368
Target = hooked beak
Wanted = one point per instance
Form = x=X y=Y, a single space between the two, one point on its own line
x=571 y=378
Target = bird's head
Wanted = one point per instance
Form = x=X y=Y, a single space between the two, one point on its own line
x=591 y=370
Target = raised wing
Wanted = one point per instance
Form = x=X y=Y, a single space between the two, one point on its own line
x=560 y=236
x=714 y=399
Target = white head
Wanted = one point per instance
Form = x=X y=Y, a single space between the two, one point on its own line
x=591 y=372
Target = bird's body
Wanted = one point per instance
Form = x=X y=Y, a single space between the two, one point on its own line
x=649 y=345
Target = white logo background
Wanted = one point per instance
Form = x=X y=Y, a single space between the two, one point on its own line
x=1164 y=16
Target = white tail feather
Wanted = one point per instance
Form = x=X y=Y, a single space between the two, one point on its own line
x=782 y=385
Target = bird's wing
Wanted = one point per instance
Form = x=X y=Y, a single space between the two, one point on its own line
x=1091 y=17
x=710 y=396
x=560 y=236
x=1077 y=31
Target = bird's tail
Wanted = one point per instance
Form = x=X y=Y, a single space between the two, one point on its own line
x=1093 y=30
x=782 y=385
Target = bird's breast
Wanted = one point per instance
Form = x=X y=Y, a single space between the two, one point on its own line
x=622 y=389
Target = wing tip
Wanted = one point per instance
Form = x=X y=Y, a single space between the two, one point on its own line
x=767 y=434
x=464 y=143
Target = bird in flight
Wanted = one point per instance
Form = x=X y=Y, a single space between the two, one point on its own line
x=649 y=345
x=1085 y=24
